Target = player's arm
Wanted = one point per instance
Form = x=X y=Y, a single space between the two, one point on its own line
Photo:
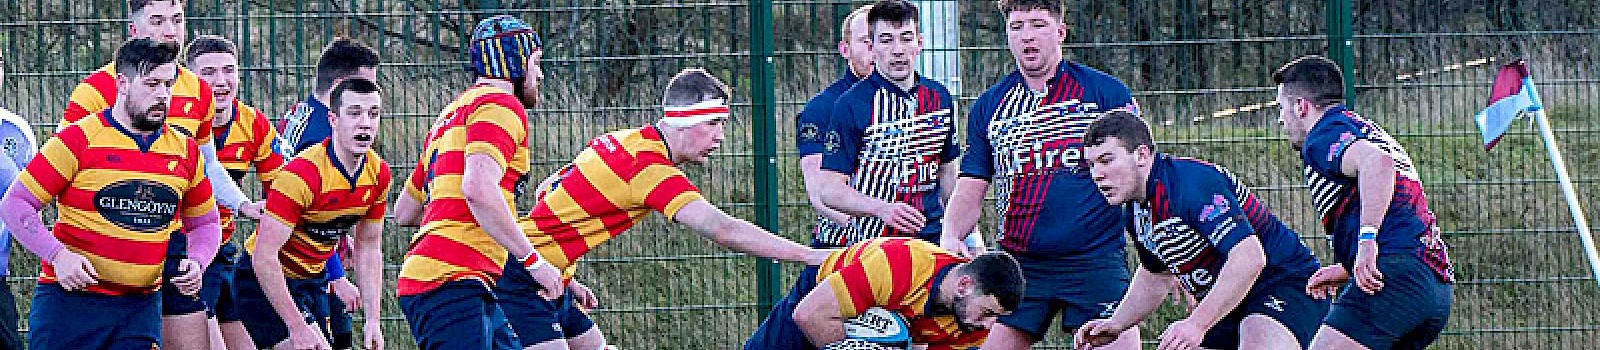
x=844 y=125
x=962 y=211
x=368 y=247
x=742 y=236
x=369 y=266
x=408 y=206
x=45 y=177
x=267 y=160
x=1374 y=171
x=227 y=191
x=480 y=188
x=947 y=181
x=811 y=172
x=271 y=235
x=1239 y=273
x=818 y=315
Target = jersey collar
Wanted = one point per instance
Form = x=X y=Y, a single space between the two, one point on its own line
x=144 y=143
x=884 y=83
x=1158 y=172
x=333 y=157
x=933 y=290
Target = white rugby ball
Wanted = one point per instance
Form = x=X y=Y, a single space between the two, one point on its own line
x=880 y=327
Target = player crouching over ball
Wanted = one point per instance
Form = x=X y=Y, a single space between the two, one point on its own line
x=946 y=302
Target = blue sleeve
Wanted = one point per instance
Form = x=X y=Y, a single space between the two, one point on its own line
x=809 y=125
x=978 y=161
x=952 y=149
x=335 y=268
x=843 y=135
x=1325 y=149
x=1113 y=93
x=1212 y=208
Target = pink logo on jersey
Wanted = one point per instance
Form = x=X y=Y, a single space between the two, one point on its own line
x=1337 y=148
x=1218 y=207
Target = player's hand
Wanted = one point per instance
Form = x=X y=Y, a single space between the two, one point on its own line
x=73 y=271
x=549 y=279
x=347 y=293
x=1326 y=281
x=303 y=336
x=901 y=217
x=583 y=295
x=1096 y=333
x=372 y=335
x=1182 y=335
x=252 y=209
x=1368 y=278
x=190 y=273
x=956 y=246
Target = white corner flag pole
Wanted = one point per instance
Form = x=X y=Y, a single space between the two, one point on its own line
x=1565 y=180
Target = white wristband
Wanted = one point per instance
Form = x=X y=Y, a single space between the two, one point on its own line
x=1368 y=233
x=537 y=263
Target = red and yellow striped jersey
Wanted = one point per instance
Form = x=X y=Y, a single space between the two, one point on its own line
x=190 y=111
x=450 y=246
x=899 y=274
x=613 y=184
x=244 y=142
x=323 y=201
x=118 y=198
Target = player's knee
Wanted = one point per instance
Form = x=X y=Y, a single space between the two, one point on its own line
x=1329 y=338
x=589 y=340
x=1262 y=332
x=553 y=344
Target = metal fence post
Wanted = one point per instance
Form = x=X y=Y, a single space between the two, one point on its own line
x=764 y=131
x=1341 y=44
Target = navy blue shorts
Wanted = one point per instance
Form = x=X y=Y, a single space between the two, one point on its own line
x=535 y=319
x=60 y=319
x=458 y=315
x=779 y=331
x=339 y=323
x=216 y=289
x=174 y=303
x=1408 y=313
x=257 y=314
x=1284 y=301
x=1079 y=290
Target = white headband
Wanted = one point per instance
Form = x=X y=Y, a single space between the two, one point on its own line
x=694 y=114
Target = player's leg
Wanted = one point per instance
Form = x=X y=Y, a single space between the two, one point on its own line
x=583 y=335
x=183 y=317
x=233 y=334
x=9 y=338
x=1280 y=315
x=536 y=321
x=455 y=315
x=779 y=331
x=1262 y=332
x=1331 y=338
x=61 y=320
x=143 y=327
x=339 y=324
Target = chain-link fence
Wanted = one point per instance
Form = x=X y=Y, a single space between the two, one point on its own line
x=1201 y=70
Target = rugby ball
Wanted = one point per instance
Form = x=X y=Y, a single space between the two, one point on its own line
x=880 y=327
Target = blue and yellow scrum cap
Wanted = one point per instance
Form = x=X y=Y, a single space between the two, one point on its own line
x=501 y=46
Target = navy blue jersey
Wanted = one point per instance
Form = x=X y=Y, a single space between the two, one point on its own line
x=891 y=142
x=1028 y=144
x=304 y=125
x=814 y=118
x=1195 y=213
x=1408 y=226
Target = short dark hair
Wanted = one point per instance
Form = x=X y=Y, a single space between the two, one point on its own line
x=999 y=275
x=340 y=59
x=208 y=43
x=892 y=11
x=134 y=6
x=1123 y=125
x=692 y=86
x=1009 y=6
x=1312 y=77
x=356 y=85
x=138 y=56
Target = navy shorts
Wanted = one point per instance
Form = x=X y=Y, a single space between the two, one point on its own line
x=458 y=315
x=779 y=331
x=216 y=290
x=534 y=319
x=1079 y=290
x=1408 y=313
x=1284 y=301
x=174 y=303
x=339 y=323
x=257 y=314
x=60 y=319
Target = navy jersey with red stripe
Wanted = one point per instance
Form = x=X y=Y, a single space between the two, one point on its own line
x=1195 y=213
x=891 y=142
x=1408 y=226
x=814 y=117
x=1028 y=144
